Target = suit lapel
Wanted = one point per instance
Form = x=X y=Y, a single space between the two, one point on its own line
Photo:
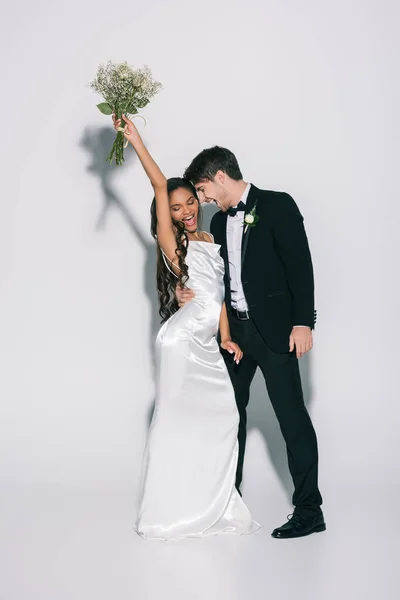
x=221 y=239
x=224 y=218
x=250 y=204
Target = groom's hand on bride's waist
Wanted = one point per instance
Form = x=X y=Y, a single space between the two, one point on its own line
x=184 y=295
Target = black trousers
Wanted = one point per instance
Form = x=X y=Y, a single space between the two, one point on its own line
x=282 y=378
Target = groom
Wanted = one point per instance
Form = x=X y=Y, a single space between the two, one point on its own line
x=269 y=294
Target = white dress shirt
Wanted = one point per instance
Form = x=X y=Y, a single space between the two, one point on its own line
x=234 y=234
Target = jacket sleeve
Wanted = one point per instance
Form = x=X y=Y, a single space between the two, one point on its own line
x=213 y=226
x=293 y=249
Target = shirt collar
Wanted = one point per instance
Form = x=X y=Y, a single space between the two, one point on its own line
x=245 y=194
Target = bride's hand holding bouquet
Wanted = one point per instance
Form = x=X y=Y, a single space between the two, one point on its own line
x=127 y=127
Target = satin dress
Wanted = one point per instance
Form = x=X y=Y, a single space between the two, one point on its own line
x=189 y=465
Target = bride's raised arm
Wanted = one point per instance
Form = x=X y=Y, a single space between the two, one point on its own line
x=165 y=230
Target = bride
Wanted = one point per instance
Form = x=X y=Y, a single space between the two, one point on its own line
x=189 y=465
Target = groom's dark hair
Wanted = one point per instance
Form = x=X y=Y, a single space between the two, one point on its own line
x=209 y=161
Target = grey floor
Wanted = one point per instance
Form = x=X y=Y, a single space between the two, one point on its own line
x=60 y=543
x=66 y=532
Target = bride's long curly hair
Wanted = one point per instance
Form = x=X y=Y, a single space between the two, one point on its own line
x=166 y=281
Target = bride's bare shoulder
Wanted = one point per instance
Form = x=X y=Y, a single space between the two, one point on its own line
x=207 y=237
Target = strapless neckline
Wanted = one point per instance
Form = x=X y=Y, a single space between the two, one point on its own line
x=200 y=242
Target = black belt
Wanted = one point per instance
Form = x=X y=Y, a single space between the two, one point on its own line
x=242 y=315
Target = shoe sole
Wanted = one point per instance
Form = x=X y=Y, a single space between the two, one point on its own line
x=317 y=529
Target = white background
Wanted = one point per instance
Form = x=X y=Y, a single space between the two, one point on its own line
x=306 y=94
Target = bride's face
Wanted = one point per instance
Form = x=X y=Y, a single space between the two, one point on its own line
x=184 y=207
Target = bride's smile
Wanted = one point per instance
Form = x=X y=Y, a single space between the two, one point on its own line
x=185 y=207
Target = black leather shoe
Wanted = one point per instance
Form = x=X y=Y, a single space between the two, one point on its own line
x=299 y=526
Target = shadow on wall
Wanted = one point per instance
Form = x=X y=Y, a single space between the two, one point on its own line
x=97 y=142
x=261 y=416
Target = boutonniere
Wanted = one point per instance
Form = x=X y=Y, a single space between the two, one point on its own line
x=251 y=219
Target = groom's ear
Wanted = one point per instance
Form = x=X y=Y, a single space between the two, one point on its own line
x=220 y=177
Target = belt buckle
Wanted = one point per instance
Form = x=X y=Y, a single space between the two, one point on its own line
x=246 y=318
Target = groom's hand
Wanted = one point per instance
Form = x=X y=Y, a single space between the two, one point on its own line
x=183 y=295
x=301 y=339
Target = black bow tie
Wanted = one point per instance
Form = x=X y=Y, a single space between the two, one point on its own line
x=241 y=207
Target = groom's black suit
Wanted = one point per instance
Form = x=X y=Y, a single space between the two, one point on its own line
x=277 y=278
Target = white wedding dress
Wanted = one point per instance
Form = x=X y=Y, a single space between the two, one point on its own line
x=189 y=466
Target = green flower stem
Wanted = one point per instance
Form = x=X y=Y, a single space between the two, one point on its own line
x=117 y=150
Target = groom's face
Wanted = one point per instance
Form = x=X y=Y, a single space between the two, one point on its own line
x=213 y=190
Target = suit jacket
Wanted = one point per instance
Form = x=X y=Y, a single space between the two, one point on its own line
x=277 y=271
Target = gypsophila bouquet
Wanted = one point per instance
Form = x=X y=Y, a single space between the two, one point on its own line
x=125 y=90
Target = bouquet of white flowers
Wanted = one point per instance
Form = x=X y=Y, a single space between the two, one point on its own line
x=125 y=91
